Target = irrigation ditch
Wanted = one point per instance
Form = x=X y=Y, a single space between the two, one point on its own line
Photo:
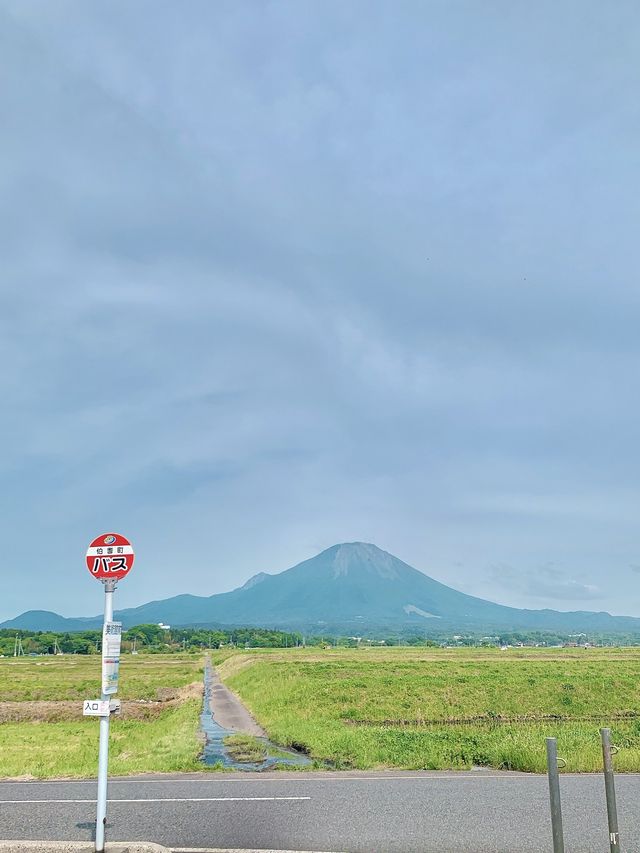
x=218 y=747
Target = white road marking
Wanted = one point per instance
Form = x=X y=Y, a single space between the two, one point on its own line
x=285 y=781
x=237 y=850
x=166 y=800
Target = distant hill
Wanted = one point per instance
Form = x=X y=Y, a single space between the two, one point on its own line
x=348 y=587
x=45 y=620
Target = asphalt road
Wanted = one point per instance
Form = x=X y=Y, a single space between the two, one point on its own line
x=476 y=812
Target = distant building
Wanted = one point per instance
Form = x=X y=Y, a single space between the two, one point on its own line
x=163 y=626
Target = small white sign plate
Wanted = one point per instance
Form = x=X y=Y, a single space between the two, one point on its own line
x=95 y=708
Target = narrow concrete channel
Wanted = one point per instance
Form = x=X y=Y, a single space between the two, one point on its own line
x=224 y=715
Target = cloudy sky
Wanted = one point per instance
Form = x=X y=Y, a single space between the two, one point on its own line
x=276 y=275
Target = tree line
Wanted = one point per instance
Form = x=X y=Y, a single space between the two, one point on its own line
x=143 y=638
x=155 y=639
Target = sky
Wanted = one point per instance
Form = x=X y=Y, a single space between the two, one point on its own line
x=278 y=275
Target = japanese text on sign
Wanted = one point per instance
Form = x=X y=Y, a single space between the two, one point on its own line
x=95 y=708
x=109 y=564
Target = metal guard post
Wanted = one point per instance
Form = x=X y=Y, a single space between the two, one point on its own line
x=608 y=750
x=554 y=794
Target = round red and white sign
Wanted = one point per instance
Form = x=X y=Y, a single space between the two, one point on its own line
x=110 y=557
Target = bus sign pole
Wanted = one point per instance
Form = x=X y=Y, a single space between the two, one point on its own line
x=109 y=558
x=103 y=750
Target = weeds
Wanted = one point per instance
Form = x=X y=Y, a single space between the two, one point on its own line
x=53 y=750
x=245 y=748
x=413 y=709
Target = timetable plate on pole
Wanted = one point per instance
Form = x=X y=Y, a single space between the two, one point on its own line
x=111 y=638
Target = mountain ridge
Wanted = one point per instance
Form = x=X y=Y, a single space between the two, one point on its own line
x=346 y=587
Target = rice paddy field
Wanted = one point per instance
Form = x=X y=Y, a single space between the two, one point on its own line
x=44 y=735
x=410 y=708
x=27 y=679
x=445 y=708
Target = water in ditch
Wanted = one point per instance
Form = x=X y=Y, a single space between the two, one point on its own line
x=215 y=752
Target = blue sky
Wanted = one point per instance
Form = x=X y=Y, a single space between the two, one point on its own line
x=280 y=275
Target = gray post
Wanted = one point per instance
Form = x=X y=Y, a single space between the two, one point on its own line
x=103 y=752
x=554 y=795
x=610 y=790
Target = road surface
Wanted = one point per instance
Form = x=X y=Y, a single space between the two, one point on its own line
x=478 y=812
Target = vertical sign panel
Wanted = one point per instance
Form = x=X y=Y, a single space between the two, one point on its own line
x=111 y=637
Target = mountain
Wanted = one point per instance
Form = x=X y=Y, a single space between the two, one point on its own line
x=350 y=587
x=254 y=580
x=46 y=620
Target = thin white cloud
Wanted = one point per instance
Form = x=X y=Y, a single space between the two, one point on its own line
x=545 y=584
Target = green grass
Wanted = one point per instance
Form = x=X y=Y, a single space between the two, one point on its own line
x=52 y=750
x=399 y=707
x=218 y=656
x=167 y=741
x=417 y=709
x=78 y=676
x=245 y=748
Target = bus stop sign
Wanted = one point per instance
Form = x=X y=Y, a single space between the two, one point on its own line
x=110 y=557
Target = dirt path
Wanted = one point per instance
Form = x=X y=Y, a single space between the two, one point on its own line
x=229 y=712
x=47 y=711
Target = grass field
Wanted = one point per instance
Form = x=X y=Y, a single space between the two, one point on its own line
x=438 y=709
x=78 y=676
x=165 y=738
x=363 y=708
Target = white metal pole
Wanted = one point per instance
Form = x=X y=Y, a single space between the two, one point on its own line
x=103 y=753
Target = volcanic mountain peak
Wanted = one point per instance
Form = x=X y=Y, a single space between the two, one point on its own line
x=361 y=557
x=353 y=585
